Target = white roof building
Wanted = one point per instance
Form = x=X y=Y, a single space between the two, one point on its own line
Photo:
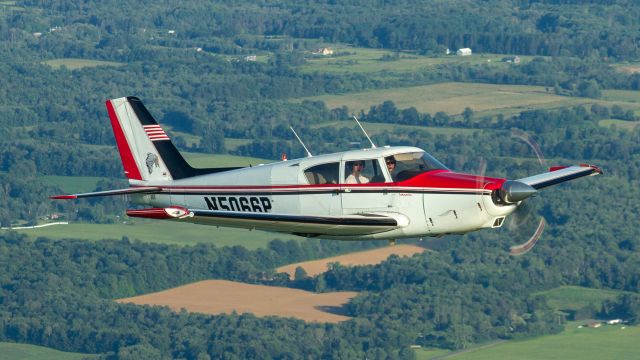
x=464 y=52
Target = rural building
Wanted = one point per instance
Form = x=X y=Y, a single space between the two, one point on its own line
x=251 y=58
x=464 y=52
x=323 y=51
x=614 y=321
x=511 y=59
x=595 y=325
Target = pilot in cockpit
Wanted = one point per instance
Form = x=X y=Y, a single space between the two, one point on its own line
x=391 y=166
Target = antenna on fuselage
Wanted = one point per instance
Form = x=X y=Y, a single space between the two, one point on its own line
x=373 y=146
x=301 y=143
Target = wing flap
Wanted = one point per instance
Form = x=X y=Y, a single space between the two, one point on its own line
x=127 y=191
x=558 y=175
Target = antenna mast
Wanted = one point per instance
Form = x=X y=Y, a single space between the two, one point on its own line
x=301 y=143
x=373 y=146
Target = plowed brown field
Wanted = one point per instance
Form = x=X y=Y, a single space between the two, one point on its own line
x=368 y=257
x=220 y=296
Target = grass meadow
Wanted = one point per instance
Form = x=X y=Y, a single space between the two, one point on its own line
x=73 y=64
x=484 y=99
x=370 y=61
x=161 y=232
x=375 y=128
x=222 y=160
x=576 y=297
x=13 y=351
x=605 y=342
x=620 y=124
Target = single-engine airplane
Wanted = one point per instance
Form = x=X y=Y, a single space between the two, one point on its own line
x=378 y=193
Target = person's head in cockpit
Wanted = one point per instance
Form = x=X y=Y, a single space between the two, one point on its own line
x=356 y=177
x=391 y=165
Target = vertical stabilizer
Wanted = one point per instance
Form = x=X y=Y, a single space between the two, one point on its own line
x=146 y=151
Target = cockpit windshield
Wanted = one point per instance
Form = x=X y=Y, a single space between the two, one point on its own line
x=408 y=165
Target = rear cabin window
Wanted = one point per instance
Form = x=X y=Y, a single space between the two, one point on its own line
x=323 y=174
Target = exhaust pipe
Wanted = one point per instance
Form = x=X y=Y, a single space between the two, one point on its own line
x=512 y=192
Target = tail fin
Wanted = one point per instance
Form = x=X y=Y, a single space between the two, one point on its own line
x=146 y=151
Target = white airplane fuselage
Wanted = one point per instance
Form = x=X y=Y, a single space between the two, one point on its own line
x=430 y=204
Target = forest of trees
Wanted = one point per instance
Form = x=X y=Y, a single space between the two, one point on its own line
x=59 y=293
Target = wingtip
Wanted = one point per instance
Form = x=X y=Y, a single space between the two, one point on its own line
x=596 y=170
x=63 y=197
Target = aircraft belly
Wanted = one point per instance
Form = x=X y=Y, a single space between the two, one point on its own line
x=300 y=228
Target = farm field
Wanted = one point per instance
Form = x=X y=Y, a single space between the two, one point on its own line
x=369 y=257
x=606 y=342
x=221 y=296
x=374 y=128
x=221 y=160
x=13 y=351
x=367 y=60
x=484 y=99
x=73 y=64
x=620 y=124
x=576 y=297
x=161 y=232
x=73 y=184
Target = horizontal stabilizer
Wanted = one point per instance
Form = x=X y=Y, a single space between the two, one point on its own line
x=134 y=190
x=559 y=175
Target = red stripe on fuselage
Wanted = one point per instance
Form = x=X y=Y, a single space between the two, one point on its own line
x=444 y=180
x=128 y=161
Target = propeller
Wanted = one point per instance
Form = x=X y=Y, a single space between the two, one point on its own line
x=526 y=222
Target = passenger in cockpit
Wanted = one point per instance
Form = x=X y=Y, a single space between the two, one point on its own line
x=355 y=177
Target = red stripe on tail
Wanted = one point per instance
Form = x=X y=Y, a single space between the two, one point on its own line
x=128 y=161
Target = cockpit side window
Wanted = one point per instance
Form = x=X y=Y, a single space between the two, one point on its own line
x=323 y=174
x=409 y=165
x=363 y=172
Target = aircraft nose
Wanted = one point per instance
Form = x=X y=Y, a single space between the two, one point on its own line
x=513 y=191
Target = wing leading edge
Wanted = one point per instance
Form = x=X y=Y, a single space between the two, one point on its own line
x=308 y=225
x=127 y=191
x=558 y=175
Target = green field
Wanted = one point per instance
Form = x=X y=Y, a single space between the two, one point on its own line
x=576 y=297
x=606 y=342
x=73 y=184
x=375 y=128
x=12 y=351
x=620 y=124
x=233 y=144
x=162 y=232
x=366 y=60
x=73 y=64
x=484 y=99
x=218 y=160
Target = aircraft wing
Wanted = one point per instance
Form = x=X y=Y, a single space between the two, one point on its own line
x=559 y=174
x=307 y=225
x=127 y=191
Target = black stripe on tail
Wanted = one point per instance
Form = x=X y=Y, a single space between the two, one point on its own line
x=177 y=165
